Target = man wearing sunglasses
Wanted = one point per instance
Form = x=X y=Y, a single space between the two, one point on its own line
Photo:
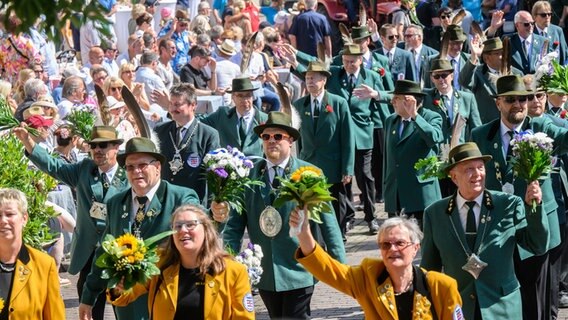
x=526 y=46
x=494 y=139
x=472 y=236
x=480 y=76
x=542 y=14
x=413 y=42
x=400 y=61
x=96 y=180
x=143 y=210
x=285 y=287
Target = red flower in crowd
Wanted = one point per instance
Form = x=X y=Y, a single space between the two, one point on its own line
x=555 y=44
x=328 y=108
x=382 y=72
x=563 y=114
x=436 y=102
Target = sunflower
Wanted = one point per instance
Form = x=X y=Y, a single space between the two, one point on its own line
x=1 y=304
x=129 y=243
x=305 y=171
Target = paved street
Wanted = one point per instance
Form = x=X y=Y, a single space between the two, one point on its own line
x=326 y=303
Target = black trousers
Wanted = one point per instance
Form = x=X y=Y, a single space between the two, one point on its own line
x=532 y=274
x=99 y=306
x=343 y=207
x=365 y=181
x=377 y=166
x=292 y=304
x=555 y=261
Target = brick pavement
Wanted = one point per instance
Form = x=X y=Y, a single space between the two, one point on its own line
x=327 y=303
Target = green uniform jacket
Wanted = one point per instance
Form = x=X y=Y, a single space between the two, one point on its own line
x=488 y=139
x=478 y=80
x=281 y=271
x=367 y=114
x=83 y=176
x=226 y=121
x=419 y=140
x=463 y=102
x=167 y=198
x=330 y=146
x=203 y=140
x=503 y=225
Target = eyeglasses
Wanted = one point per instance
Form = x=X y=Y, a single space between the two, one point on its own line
x=188 y=224
x=242 y=96
x=537 y=95
x=512 y=99
x=38 y=71
x=113 y=89
x=544 y=14
x=392 y=37
x=410 y=35
x=277 y=136
x=102 y=145
x=399 y=245
x=440 y=75
x=140 y=166
x=445 y=16
x=183 y=24
x=527 y=24
x=128 y=71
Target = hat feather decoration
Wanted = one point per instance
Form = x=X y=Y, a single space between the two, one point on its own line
x=322 y=56
x=105 y=118
x=345 y=34
x=136 y=112
x=459 y=124
x=506 y=63
x=444 y=46
x=476 y=30
x=458 y=18
x=247 y=51
x=362 y=14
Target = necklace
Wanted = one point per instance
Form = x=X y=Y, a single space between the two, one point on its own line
x=408 y=286
x=7 y=267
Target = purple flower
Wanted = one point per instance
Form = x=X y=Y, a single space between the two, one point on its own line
x=247 y=163
x=221 y=172
x=250 y=246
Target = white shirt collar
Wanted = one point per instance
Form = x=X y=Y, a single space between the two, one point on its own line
x=462 y=202
x=150 y=195
x=319 y=97
x=504 y=129
x=110 y=173
x=282 y=165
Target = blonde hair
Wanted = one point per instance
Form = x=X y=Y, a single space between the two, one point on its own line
x=23 y=77
x=138 y=10
x=110 y=81
x=211 y=257
x=14 y=195
x=5 y=88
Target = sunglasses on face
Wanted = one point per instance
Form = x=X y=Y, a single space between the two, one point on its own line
x=527 y=24
x=445 y=16
x=511 y=99
x=140 y=166
x=113 y=89
x=188 y=224
x=544 y=14
x=410 y=35
x=102 y=145
x=399 y=245
x=277 y=136
x=537 y=95
x=392 y=37
x=440 y=75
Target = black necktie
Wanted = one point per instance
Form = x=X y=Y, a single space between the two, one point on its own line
x=351 y=81
x=511 y=134
x=242 y=131
x=524 y=46
x=404 y=125
x=180 y=134
x=105 y=182
x=316 y=113
x=275 y=180
x=470 y=226
x=140 y=213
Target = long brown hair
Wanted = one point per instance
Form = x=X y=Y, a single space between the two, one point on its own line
x=211 y=256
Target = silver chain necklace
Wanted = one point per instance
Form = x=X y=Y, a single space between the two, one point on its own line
x=5 y=268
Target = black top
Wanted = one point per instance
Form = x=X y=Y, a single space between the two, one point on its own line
x=190 y=295
x=405 y=304
x=197 y=78
x=6 y=279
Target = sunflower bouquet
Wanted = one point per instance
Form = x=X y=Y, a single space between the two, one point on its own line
x=227 y=174
x=1 y=305
x=307 y=186
x=129 y=259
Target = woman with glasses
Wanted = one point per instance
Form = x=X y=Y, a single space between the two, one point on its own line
x=390 y=287
x=127 y=74
x=197 y=277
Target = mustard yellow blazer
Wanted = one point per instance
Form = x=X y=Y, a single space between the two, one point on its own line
x=377 y=299
x=227 y=295
x=35 y=291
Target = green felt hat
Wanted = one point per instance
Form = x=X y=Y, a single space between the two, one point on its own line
x=464 y=152
x=280 y=120
x=140 y=145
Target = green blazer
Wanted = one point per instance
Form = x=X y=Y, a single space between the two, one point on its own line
x=503 y=226
x=488 y=139
x=192 y=175
x=376 y=63
x=226 y=121
x=463 y=102
x=419 y=140
x=478 y=80
x=167 y=198
x=281 y=271
x=330 y=146
x=367 y=114
x=82 y=176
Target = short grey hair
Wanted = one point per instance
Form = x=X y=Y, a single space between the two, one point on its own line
x=148 y=57
x=70 y=85
x=185 y=90
x=216 y=32
x=34 y=87
x=411 y=225
x=519 y=14
x=418 y=28
x=310 y=4
x=203 y=39
x=203 y=5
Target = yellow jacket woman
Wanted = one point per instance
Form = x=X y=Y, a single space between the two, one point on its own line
x=196 y=275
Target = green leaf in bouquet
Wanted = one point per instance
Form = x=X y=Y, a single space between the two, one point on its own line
x=83 y=122
x=150 y=241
